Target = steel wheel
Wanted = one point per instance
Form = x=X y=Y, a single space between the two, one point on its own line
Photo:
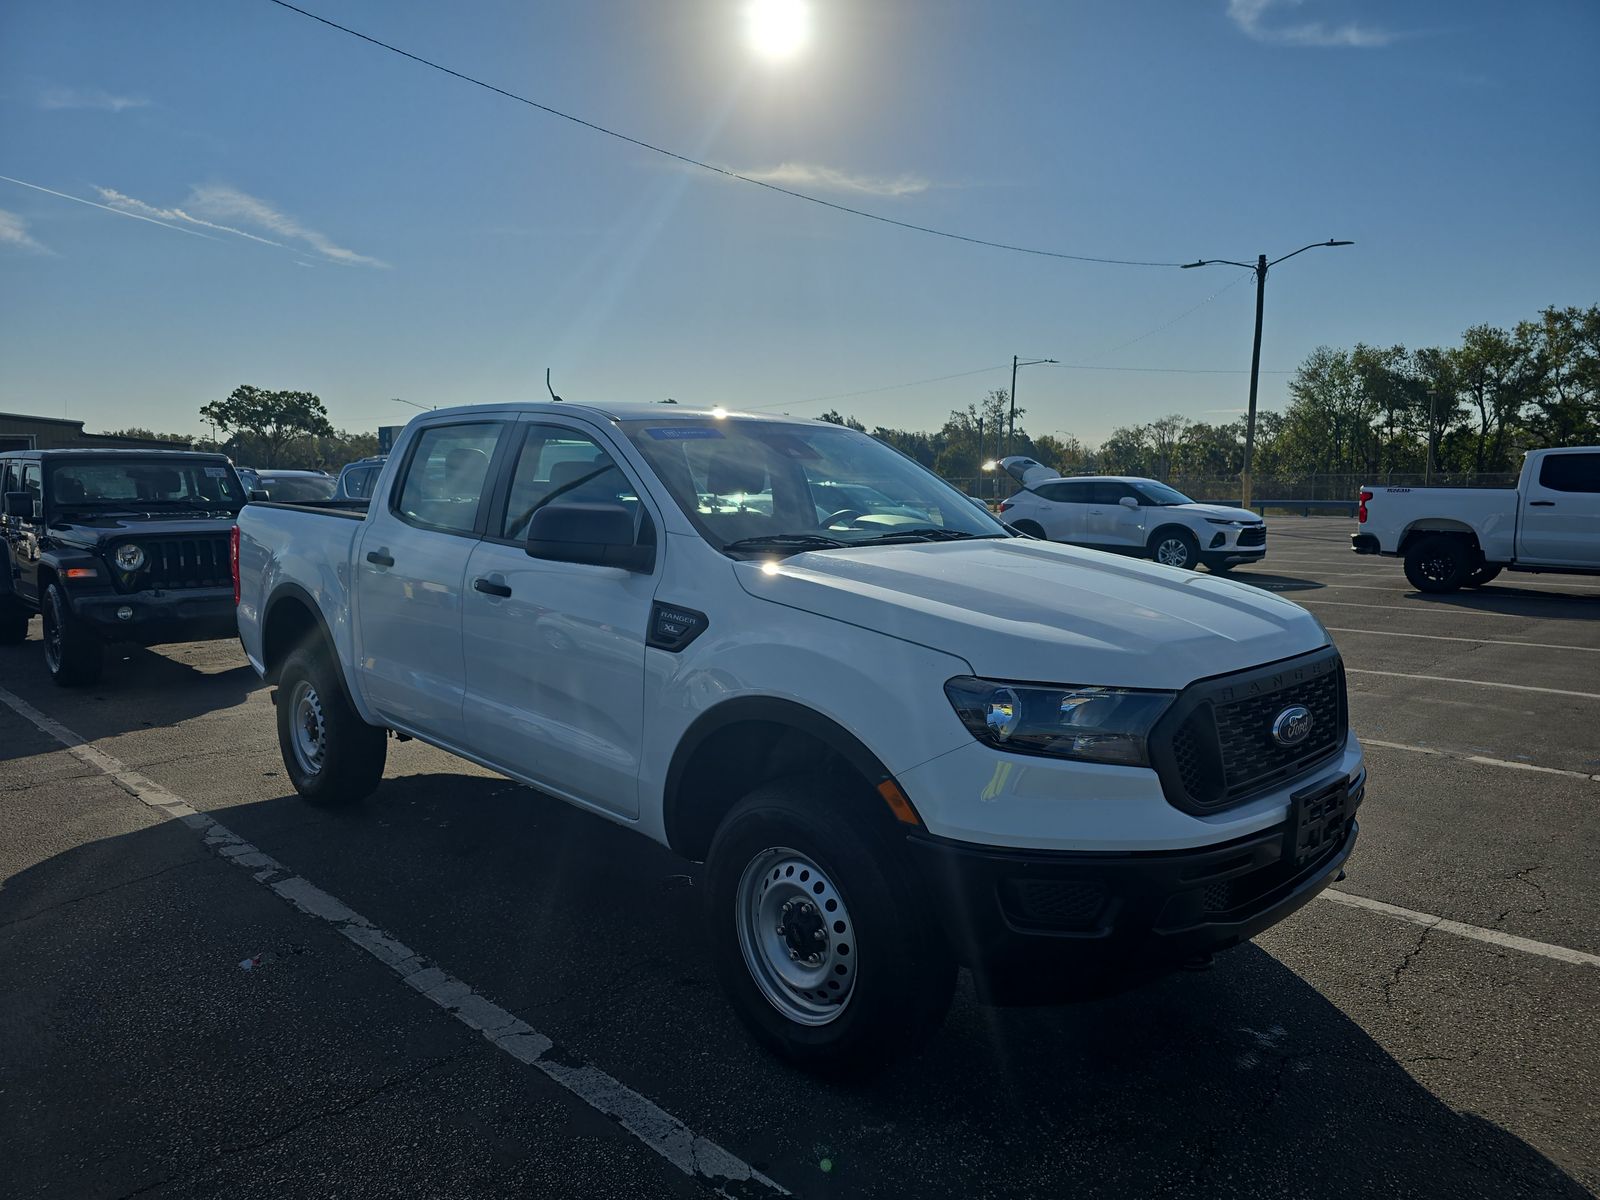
x=1173 y=551
x=796 y=935
x=310 y=740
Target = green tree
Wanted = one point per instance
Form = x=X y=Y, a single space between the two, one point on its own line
x=1499 y=375
x=832 y=417
x=1566 y=408
x=273 y=420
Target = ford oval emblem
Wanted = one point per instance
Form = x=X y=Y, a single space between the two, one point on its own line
x=1292 y=726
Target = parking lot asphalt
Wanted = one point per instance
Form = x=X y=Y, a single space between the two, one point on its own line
x=1434 y=1029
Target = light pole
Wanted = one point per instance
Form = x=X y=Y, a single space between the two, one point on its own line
x=1260 y=267
x=1011 y=425
x=414 y=404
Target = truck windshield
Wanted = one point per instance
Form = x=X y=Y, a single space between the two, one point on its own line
x=770 y=486
x=141 y=483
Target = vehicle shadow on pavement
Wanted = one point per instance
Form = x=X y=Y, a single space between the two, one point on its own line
x=1242 y=1080
x=1270 y=582
x=141 y=688
x=1512 y=601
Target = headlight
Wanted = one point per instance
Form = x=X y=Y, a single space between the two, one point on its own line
x=130 y=557
x=1221 y=521
x=1096 y=724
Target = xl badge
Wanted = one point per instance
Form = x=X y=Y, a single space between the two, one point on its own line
x=1292 y=726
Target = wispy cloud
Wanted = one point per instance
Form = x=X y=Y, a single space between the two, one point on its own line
x=128 y=204
x=222 y=202
x=1250 y=16
x=64 y=98
x=830 y=179
x=14 y=233
x=95 y=204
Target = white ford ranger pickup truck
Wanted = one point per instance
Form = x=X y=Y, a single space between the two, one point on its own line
x=900 y=738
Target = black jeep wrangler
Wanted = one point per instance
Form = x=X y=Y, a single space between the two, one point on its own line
x=115 y=546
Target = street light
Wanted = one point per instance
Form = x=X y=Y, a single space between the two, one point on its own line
x=1011 y=425
x=414 y=404
x=1260 y=267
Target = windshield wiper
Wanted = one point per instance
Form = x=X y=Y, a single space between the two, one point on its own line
x=794 y=543
x=928 y=533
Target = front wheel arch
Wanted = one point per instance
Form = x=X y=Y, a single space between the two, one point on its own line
x=1165 y=532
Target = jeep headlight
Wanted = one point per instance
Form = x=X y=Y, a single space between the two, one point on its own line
x=130 y=557
x=1094 y=724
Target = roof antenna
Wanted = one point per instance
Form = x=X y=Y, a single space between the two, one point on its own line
x=548 y=388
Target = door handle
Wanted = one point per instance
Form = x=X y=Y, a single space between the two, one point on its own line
x=490 y=588
x=1541 y=503
x=381 y=557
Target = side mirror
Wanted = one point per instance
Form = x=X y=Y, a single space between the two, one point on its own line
x=1128 y=502
x=19 y=504
x=599 y=535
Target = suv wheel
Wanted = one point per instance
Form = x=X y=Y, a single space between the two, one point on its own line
x=331 y=754
x=72 y=650
x=13 y=622
x=1438 y=563
x=818 y=931
x=1175 y=548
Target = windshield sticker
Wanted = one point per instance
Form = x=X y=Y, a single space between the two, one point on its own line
x=684 y=433
x=217 y=472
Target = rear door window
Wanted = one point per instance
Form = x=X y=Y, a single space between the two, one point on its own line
x=446 y=476
x=1065 y=493
x=1570 y=473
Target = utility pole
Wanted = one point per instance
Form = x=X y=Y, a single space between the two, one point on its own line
x=1260 y=268
x=1433 y=421
x=1011 y=425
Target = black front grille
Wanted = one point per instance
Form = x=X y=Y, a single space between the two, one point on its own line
x=1216 y=745
x=1053 y=903
x=1253 y=535
x=197 y=561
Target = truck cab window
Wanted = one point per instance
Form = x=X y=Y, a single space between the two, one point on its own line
x=444 y=483
x=1570 y=473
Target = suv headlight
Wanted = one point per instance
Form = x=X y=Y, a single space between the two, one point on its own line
x=130 y=557
x=1222 y=521
x=1095 y=724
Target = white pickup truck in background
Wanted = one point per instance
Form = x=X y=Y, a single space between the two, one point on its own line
x=899 y=737
x=1463 y=537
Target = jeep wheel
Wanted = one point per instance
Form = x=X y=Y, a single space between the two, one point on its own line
x=331 y=754
x=1175 y=548
x=818 y=931
x=72 y=650
x=1438 y=563
x=13 y=622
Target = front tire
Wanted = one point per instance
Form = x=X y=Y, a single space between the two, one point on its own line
x=1175 y=548
x=818 y=932
x=331 y=754
x=1438 y=564
x=73 y=652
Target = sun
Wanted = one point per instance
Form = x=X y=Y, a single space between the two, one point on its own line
x=777 y=29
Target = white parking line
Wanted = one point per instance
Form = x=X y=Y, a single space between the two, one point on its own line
x=1482 y=760
x=1410 y=608
x=1440 y=637
x=1514 y=687
x=1406 y=587
x=640 y=1116
x=1492 y=936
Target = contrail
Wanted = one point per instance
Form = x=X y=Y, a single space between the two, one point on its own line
x=107 y=208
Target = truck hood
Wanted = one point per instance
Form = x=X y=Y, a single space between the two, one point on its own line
x=91 y=531
x=1220 y=511
x=1025 y=610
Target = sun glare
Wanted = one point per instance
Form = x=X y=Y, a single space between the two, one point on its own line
x=777 y=29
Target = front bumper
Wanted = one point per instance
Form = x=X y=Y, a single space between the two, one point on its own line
x=1039 y=927
x=159 y=617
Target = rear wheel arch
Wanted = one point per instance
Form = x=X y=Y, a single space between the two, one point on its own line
x=1441 y=527
x=731 y=749
x=294 y=619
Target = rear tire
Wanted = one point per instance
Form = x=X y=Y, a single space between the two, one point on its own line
x=73 y=652
x=1032 y=528
x=1172 y=547
x=331 y=754
x=1438 y=564
x=859 y=975
x=1481 y=574
x=13 y=622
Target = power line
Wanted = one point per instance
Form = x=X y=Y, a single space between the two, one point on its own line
x=1169 y=370
x=706 y=166
x=1185 y=313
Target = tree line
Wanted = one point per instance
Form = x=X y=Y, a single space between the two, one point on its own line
x=1365 y=410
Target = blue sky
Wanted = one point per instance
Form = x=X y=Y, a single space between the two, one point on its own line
x=354 y=224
